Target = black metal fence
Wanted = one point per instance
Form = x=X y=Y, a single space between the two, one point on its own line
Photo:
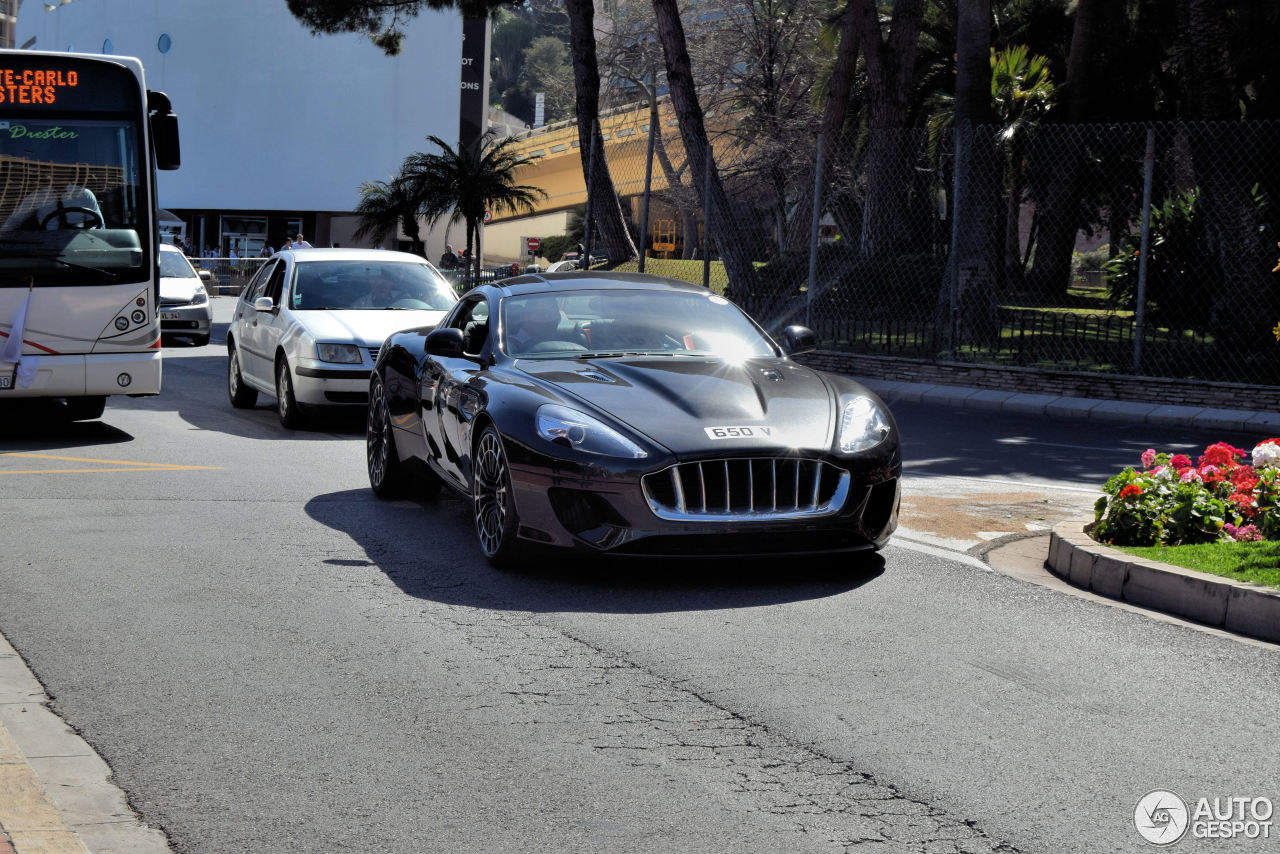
x=1142 y=249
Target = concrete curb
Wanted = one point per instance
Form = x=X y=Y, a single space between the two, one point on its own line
x=1237 y=606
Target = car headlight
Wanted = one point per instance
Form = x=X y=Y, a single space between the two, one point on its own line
x=573 y=429
x=347 y=353
x=201 y=297
x=863 y=425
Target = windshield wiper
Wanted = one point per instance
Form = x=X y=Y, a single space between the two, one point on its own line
x=56 y=260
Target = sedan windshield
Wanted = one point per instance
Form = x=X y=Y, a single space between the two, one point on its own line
x=629 y=322
x=365 y=284
x=174 y=265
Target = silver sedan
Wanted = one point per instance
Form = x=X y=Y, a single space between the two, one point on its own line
x=308 y=326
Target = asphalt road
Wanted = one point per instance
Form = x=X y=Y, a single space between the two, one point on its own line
x=270 y=659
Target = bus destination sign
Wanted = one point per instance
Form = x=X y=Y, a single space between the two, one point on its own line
x=35 y=85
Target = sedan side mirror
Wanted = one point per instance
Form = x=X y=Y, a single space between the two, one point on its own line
x=445 y=342
x=798 y=340
x=205 y=276
x=263 y=304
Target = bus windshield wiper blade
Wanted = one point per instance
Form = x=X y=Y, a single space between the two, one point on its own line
x=68 y=264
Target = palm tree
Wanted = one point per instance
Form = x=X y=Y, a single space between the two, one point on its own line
x=462 y=184
x=1021 y=93
x=384 y=207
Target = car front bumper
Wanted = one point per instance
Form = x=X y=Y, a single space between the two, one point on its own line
x=186 y=319
x=603 y=509
x=319 y=383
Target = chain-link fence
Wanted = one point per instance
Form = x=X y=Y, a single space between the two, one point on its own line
x=1132 y=249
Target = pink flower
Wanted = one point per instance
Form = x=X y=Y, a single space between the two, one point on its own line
x=1189 y=474
x=1243 y=534
x=1180 y=461
x=1148 y=457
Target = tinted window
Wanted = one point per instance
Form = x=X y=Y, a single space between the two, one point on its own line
x=630 y=321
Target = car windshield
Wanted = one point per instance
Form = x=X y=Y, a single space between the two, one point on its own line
x=374 y=284
x=174 y=265
x=629 y=322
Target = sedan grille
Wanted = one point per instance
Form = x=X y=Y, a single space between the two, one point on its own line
x=746 y=489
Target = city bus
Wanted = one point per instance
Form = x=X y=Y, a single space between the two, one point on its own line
x=80 y=140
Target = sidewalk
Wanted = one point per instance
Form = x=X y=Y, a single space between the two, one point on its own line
x=56 y=795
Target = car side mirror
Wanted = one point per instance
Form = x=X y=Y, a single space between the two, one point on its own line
x=263 y=304
x=798 y=340
x=445 y=342
x=205 y=276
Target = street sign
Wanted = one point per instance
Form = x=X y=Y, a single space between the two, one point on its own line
x=488 y=216
x=533 y=244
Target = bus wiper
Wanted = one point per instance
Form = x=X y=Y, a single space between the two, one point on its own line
x=68 y=264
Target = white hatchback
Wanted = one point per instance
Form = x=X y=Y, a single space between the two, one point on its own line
x=184 y=302
x=308 y=326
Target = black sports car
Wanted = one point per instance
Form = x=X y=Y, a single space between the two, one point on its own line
x=630 y=414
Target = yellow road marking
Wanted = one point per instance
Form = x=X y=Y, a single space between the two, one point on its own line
x=126 y=465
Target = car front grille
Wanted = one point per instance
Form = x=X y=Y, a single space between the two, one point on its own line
x=746 y=489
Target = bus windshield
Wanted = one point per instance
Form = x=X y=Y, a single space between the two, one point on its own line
x=73 y=199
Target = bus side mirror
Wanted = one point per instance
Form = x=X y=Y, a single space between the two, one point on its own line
x=164 y=131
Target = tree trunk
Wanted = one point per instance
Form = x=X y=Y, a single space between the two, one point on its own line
x=969 y=305
x=890 y=64
x=684 y=98
x=1240 y=315
x=834 y=112
x=606 y=209
x=1051 y=271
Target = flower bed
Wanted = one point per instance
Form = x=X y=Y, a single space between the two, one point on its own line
x=1227 y=494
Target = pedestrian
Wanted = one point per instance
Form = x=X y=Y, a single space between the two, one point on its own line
x=300 y=242
x=448 y=261
x=266 y=251
x=288 y=244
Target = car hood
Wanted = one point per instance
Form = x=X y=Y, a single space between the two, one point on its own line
x=180 y=289
x=366 y=327
x=673 y=400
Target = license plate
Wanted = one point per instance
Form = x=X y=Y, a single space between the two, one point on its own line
x=755 y=432
x=170 y=315
x=6 y=381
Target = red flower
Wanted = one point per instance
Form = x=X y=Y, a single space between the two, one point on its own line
x=1131 y=489
x=1244 y=502
x=1180 y=462
x=1244 y=478
x=1221 y=455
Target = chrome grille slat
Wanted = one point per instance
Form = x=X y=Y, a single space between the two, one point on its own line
x=816 y=488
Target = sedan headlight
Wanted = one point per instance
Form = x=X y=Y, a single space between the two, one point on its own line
x=863 y=425
x=573 y=429
x=346 y=353
x=201 y=296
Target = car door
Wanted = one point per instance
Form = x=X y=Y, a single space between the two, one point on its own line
x=449 y=394
x=273 y=324
x=244 y=327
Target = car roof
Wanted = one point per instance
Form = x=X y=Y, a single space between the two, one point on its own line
x=534 y=283
x=342 y=254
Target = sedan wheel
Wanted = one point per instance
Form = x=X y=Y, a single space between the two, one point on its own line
x=291 y=415
x=492 y=503
x=386 y=471
x=242 y=397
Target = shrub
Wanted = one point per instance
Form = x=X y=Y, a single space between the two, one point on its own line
x=1173 y=501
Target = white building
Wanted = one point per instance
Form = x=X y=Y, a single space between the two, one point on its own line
x=279 y=127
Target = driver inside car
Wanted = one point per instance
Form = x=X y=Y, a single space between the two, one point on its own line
x=530 y=323
x=74 y=208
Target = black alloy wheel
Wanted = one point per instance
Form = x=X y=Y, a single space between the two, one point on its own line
x=387 y=475
x=493 y=506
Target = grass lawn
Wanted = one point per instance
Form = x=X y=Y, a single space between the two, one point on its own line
x=1256 y=562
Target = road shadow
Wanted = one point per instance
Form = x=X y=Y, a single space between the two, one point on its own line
x=428 y=550
x=955 y=442
x=42 y=425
